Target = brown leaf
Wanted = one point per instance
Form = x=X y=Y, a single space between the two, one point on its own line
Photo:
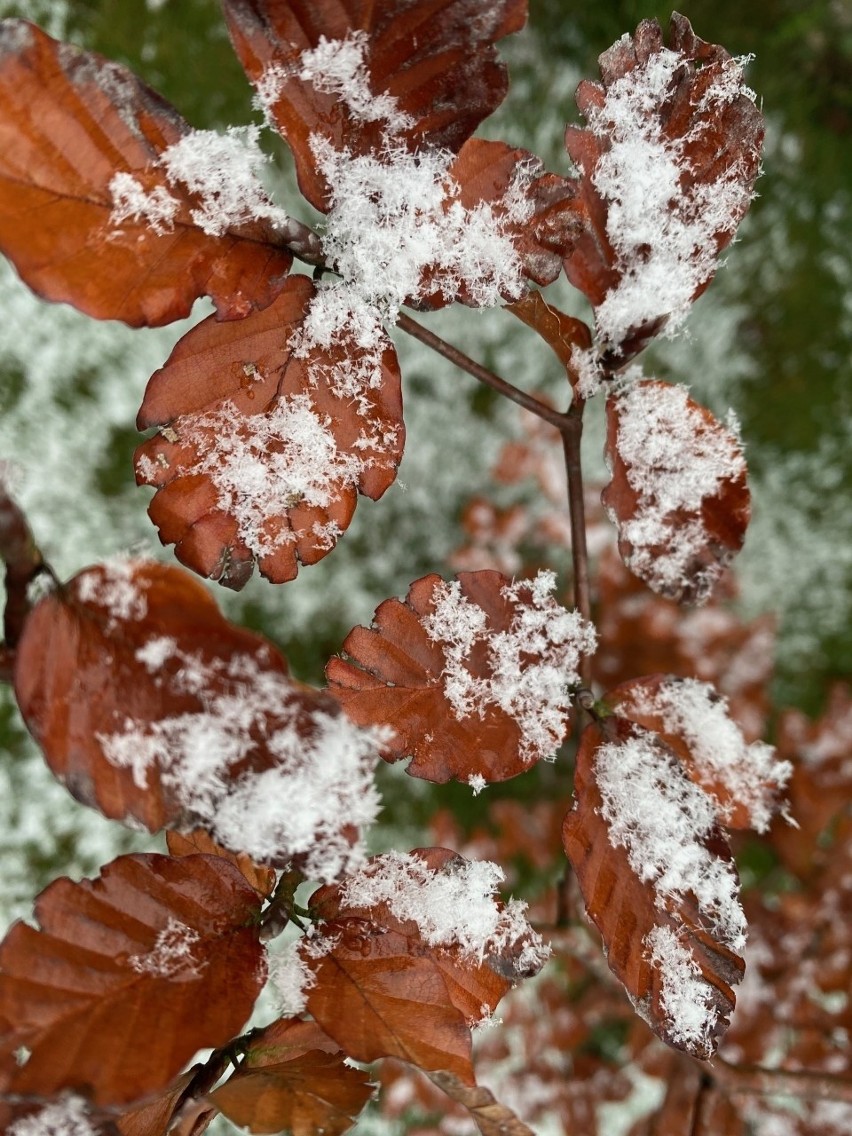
x=262 y=451
x=667 y=165
x=262 y=879
x=657 y=880
x=167 y=1113
x=744 y=781
x=86 y=213
x=562 y=333
x=472 y=676
x=678 y=493
x=129 y=974
x=294 y=1078
x=150 y=706
x=424 y=73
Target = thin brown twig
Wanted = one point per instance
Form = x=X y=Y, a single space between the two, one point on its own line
x=755 y=1080
x=482 y=374
x=572 y=435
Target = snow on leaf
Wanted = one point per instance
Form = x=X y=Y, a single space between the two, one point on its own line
x=678 y=493
x=744 y=780
x=294 y=1078
x=102 y=225
x=667 y=165
x=269 y=430
x=473 y=676
x=657 y=880
x=423 y=76
x=69 y=987
x=216 y=734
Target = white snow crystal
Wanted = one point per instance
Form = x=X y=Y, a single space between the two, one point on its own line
x=686 y=996
x=662 y=819
x=172 y=953
x=662 y=230
x=65 y=1117
x=320 y=783
x=117 y=588
x=674 y=461
x=455 y=906
x=533 y=664
x=131 y=203
x=292 y=978
x=337 y=67
x=694 y=711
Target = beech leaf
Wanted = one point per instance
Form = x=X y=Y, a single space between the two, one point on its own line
x=473 y=676
x=667 y=164
x=264 y=445
x=262 y=879
x=128 y=975
x=294 y=1078
x=89 y=215
x=564 y=334
x=150 y=706
x=657 y=879
x=678 y=493
x=351 y=75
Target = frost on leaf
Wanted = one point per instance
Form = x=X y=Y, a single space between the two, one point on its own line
x=667 y=164
x=420 y=928
x=69 y=987
x=678 y=493
x=474 y=677
x=350 y=76
x=744 y=780
x=294 y=1078
x=658 y=881
x=269 y=429
x=180 y=718
x=99 y=223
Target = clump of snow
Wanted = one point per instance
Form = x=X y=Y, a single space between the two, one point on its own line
x=172 y=953
x=720 y=754
x=130 y=202
x=224 y=170
x=116 y=587
x=64 y=1117
x=675 y=460
x=337 y=67
x=477 y=783
x=319 y=787
x=686 y=997
x=663 y=820
x=453 y=906
x=157 y=651
x=397 y=214
x=292 y=978
x=662 y=224
x=533 y=664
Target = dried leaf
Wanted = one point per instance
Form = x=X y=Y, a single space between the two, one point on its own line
x=745 y=781
x=562 y=333
x=150 y=706
x=294 y=1078
x=87 y=215
x=424 y=73
x=262 y=879
x=158 y=1115
x=667 y=164
x=128 y=975
x=678 y=493
x=658 y=882
x=263 y=447
x=472 y=676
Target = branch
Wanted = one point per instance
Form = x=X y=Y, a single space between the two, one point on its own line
x=572 y=435
x=491 y=1117
x=480 y=373
x=803 y=1084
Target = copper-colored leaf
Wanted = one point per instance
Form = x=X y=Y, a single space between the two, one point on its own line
x=678 y=492
x=262 y=879
x=422 y=927
x=658 y=882
x=667 y=164
x=294 y=1078
x=150 y=706
x=744 y=780
x=472 y=676
x=128 y=975
x=562 y=333
x=86 y=213
x=352 y=74
x=264 y=447
x=158 y=1115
